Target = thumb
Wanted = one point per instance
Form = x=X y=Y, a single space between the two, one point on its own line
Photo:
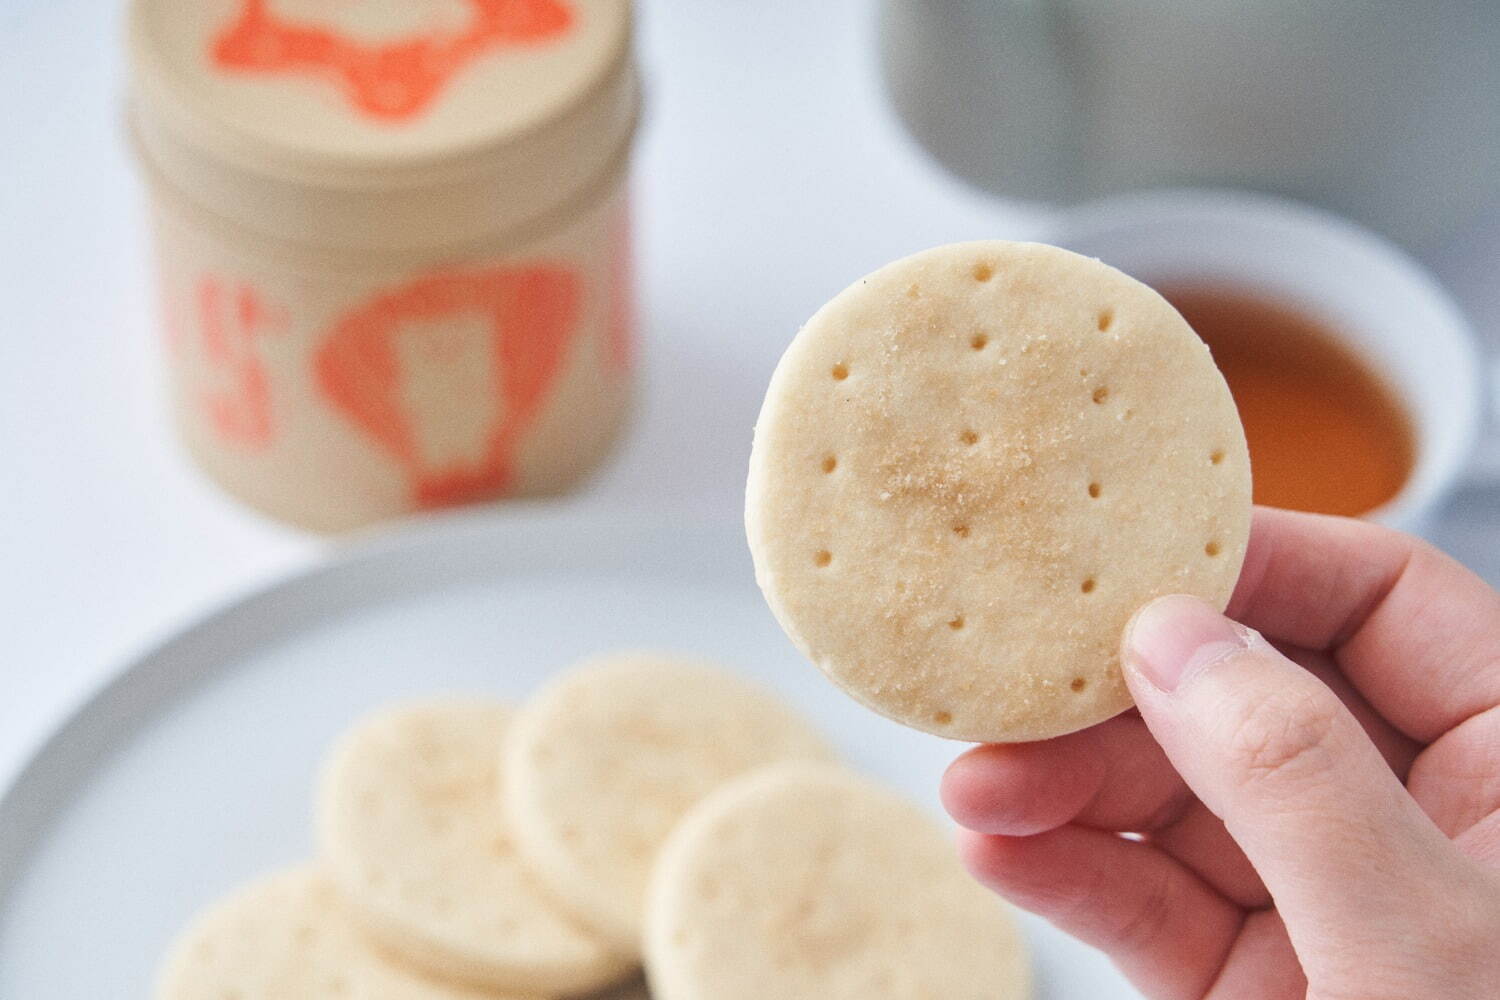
x=1273 y=753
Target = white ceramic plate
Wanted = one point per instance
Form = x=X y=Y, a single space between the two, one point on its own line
x=190 y=772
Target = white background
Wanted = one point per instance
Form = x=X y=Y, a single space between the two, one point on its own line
x=770 y=174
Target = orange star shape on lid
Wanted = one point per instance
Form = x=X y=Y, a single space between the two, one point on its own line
x=393 y=81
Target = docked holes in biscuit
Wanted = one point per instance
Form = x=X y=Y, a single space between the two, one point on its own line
x=840 y=372
x=1088 y=585
x=956 y=622
x=1217 y=457
x=1101 y=394
x=1106 y=319
x=829 y=463
x=822 y=558
x=1095 y=489
x=978 y=342
x=961 y=529
x=1211 y=549
x=984 y=271
x=1078 y=685
x=969 y=437
x=942 y=718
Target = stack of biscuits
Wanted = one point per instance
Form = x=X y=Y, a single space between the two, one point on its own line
x=640 y=810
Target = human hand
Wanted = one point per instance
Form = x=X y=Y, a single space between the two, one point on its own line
x=1322 y=823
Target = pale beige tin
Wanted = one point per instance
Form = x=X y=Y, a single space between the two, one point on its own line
x=393 y=243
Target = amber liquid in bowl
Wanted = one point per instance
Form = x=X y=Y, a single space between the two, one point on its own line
x=1327 y=433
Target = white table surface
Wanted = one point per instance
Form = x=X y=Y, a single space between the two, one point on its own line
x=770 y=174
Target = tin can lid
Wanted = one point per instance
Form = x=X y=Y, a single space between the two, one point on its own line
x=371 y=93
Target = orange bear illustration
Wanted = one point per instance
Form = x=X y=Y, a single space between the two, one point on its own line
x=496 y=335
x=395 y=80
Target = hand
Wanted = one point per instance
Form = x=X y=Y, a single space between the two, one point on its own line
x=1320 y=821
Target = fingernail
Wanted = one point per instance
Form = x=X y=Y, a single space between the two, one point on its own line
x=1173 y=637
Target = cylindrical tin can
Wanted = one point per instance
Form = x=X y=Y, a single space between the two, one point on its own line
x=393 y=244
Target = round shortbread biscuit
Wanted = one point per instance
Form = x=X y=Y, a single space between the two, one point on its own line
x=808 y=882
x=411 y=830
x=972 y=467
x=602 y=763
x=286 y=936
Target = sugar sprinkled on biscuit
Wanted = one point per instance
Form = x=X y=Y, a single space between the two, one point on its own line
x=971 y=468
x=411 y=831
x=807 y=882
x=605 y=759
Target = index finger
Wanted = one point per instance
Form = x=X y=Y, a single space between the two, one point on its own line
x=1414 y=631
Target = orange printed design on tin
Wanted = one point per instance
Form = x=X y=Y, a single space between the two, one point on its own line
x=395 y=80
x=229 y=322
x=396 y=365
